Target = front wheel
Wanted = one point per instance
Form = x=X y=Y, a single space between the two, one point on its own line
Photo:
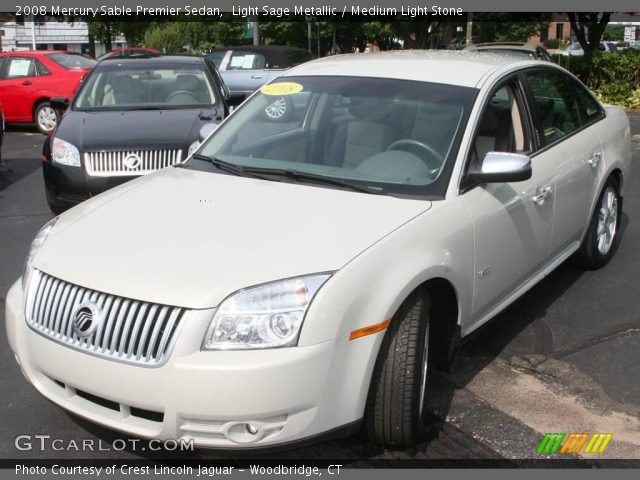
x=395 y=405
x=601 y=239
x=46 y=118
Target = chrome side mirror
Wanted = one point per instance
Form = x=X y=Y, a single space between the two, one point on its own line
x=501 y=167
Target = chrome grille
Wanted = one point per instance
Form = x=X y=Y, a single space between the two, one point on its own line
x=130 y=162
x=131 y=331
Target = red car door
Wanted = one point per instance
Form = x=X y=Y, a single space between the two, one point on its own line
x=18 y=86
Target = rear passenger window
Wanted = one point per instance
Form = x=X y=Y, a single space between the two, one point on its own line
x=41 y=69
x=590 y=109
x=555 y=103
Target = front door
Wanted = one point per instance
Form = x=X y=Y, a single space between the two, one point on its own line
x=512 y=222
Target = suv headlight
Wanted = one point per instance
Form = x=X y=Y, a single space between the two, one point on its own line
x=265 y=316
x=193 y=147
x=36 y=244
x=64 y=153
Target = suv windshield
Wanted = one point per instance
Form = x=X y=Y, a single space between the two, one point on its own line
x=72 y=61
x=141 y=87
x=398 y=136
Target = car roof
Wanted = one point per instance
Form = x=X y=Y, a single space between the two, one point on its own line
x=504 y=45
x=461 y=67
x=154 y=60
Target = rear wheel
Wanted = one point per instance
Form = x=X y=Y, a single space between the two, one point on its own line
x=601 y=239
x=46 y=118
x=395 y=405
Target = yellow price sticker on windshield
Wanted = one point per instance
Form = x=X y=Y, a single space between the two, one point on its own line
x=281 y=88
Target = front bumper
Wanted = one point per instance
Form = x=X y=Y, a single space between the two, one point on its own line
x=71 y=185
x=286 y=394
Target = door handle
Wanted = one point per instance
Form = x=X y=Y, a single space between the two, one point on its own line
x=257 y=77
x=593 y=161
x=26 y=82
x=542 y=193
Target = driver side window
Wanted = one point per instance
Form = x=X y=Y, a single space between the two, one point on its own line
x=501 y=127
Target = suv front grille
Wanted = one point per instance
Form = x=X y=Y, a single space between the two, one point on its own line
x=109 y=163
x=128 y=330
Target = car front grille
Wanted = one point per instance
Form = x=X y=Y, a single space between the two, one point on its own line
x=130 y=162
x=126 y=330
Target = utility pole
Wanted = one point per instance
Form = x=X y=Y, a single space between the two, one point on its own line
x=256 y=33
x=469 y=28
x=33 y=32
x=309 y=34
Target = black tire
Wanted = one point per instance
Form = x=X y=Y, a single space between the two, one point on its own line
x=45 y=128
x=589 y=256
x=393 y=413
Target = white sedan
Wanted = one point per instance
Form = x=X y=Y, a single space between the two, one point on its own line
x=297 y=277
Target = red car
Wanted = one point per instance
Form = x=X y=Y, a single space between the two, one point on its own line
x=130 y=52
x=29 y=79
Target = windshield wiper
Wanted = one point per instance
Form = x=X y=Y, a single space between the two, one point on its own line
x=258 y=172
x=142 y=107
x=316 y=178
x=231 y=168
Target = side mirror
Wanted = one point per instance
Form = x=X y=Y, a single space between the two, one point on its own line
x=59 y=103
x=206 y=130
x=500 y=167
x=236 y=99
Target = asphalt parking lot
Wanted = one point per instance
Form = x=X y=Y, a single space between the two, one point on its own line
x=564 y=358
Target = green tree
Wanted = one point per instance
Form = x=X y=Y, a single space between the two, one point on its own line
x=505 y=27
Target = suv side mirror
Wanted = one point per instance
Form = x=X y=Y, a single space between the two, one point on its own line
x=500 y=167
x=236 y=99
x=59 y=103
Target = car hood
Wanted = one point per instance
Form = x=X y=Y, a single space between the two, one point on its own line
x=189 y=238
x=135 y=129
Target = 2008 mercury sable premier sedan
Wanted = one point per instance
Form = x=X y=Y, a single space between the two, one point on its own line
x=296 y=277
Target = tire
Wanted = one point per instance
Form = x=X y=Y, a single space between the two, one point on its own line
x=394 y=412
x=45 y=118
x=596 y=251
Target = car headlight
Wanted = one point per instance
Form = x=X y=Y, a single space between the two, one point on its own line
x=193 y=147
x=36 y=244
x=64 y=153
x=266 y=316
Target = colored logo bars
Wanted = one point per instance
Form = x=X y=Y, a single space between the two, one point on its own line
x=572 y=443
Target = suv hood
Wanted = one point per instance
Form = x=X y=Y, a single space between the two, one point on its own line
x=188 y=238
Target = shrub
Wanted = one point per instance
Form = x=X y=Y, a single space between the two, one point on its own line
x=614 y=77
x=552 y=43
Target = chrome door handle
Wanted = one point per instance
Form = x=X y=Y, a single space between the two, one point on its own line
x=257 y=77
x=593 y=161
x=542 y=193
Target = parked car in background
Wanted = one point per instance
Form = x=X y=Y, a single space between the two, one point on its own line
x=130 y=52
x=246 y=68
x=292 y=279
x=1 y=130
x=521 y=49
x=575 y=49
x=130 y=117
x=29 y=79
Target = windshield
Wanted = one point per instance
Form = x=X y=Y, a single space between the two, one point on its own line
x=71 y=61
x=400 y=136
x=128 y=87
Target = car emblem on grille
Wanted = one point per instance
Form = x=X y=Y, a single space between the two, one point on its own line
x=132 y=161
x=86 y=318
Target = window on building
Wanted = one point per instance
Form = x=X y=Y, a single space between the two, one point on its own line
x=560 y=31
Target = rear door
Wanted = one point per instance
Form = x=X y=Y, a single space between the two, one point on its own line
x=570 y=146
x=18 y=86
